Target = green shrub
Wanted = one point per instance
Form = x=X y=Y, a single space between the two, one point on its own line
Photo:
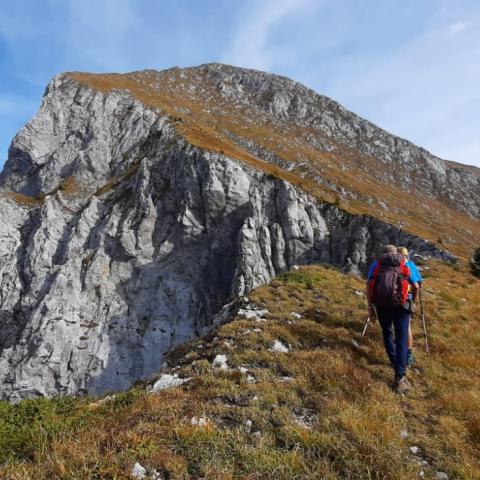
x=29 y=426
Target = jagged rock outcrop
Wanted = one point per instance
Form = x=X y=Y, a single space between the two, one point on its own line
x=124 y=240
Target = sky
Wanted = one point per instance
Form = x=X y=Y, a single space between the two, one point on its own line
x=411 y=66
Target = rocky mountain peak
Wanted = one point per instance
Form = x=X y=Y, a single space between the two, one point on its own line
x=135 y=208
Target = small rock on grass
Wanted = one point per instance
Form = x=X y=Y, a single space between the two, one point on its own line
x=278 y=346
x=414 y=450
x=441 y=476
x=167 y=381
x=200 y=421
x=221 y=362
x=138 y=471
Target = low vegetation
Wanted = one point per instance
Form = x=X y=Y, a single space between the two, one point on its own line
x=323 y=409
x=67 y=186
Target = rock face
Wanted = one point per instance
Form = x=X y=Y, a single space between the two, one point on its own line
x=136 y=239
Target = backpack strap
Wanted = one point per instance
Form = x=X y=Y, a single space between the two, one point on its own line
x=404 y=270
x=371 y=283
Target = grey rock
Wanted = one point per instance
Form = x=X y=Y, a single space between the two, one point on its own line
x=138 y=471
x=168 y=380
x=221 y=362
x=279 y=346
x=96 y=286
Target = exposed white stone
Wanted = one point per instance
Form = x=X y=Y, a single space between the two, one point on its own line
x=199 y=421
x=138 y=471
x=279 y=346
x=221 y=362
x=167 y=381
x=252 y=314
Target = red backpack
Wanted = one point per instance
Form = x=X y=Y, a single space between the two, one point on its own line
x=389 y=283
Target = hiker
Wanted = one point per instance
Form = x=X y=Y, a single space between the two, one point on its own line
x=387 y=294
x=417 y=277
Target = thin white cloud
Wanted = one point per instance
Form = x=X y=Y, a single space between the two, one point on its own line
x=426 y=90
x=249 y=46
x=417 y=79
x=457 y=27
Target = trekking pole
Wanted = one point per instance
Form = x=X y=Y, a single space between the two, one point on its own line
x=368 y=320
x=366 y=325
x=424 y=323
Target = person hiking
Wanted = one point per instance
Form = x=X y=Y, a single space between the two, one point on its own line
x=387 y=295
x=417 y=277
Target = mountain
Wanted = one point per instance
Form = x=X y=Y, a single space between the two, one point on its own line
x=135 y=209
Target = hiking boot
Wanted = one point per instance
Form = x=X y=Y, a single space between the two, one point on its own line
x=402 y=385
x=410 y=358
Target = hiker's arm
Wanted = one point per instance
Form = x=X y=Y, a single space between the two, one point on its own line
x=370 y=300
x=415 y=290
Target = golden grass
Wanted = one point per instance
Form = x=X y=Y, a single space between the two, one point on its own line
x=67 y=186
x=323 y=410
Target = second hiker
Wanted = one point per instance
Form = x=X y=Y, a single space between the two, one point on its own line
x=417 y=277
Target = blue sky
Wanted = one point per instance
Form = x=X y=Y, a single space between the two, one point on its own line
x=410 y=66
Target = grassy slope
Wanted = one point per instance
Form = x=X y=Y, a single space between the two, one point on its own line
x=323 y=410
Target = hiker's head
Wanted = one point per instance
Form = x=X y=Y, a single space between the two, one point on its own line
x=403 y=251
x=388 y=250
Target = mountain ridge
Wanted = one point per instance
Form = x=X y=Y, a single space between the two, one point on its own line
x=309 y=163
x=132 y=216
